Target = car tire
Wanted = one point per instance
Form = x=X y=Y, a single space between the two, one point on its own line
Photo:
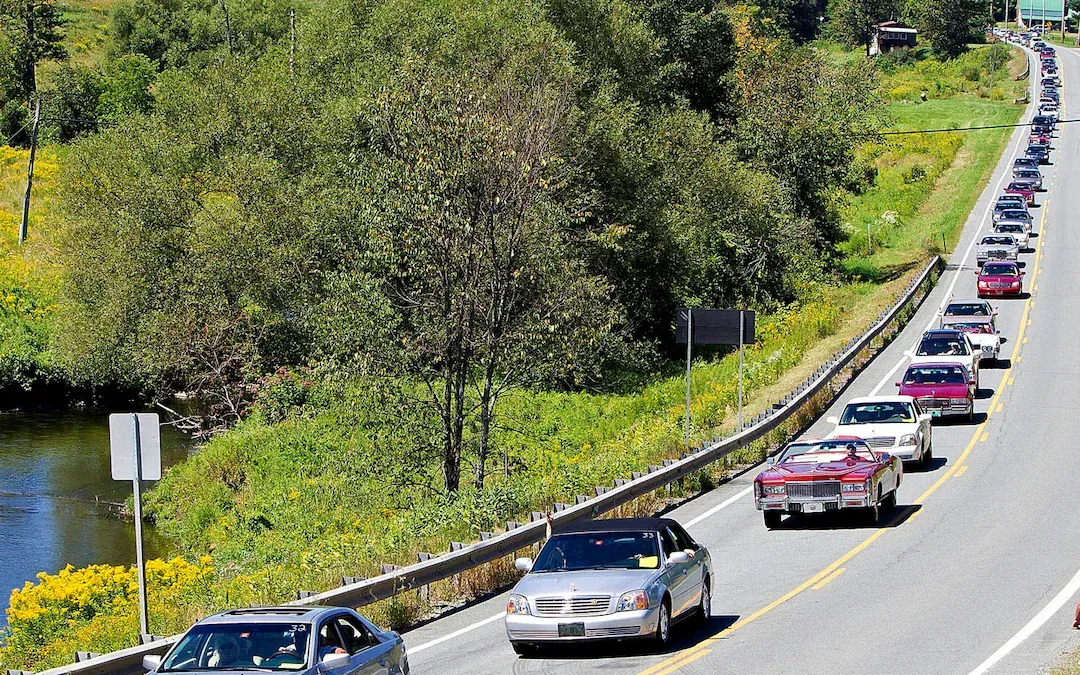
x=662 y=636
x=772 y=519
x=889 y=503
x=704 y=608
x=523 y=648
x=927 y=456
x=971 y=414
x=873 y=513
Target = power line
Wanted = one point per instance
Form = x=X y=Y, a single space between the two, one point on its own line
x=945 y=131
x=21 y=129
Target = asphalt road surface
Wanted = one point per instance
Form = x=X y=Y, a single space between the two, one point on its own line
x=978 y=568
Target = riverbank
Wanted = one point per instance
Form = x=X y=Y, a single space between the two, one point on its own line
x=320 y=484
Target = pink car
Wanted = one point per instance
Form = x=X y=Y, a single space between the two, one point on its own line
x=942 y=389
x=1025 y=190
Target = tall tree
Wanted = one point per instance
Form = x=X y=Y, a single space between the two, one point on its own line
x=32 y=34
x=947 y=24
x=852 y=20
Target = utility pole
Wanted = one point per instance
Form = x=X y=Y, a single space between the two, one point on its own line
x=1006 y=15
x=23 y=227
x=1064 y=9
x=228 y=27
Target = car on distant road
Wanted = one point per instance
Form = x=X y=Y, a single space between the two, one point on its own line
x=1039 y=138
x=1038 y=151
x=302 y=640
x=615 y=579
x=1030 y=176
x=1022 y=189
x=1000 y=279
x=996 y=247
x=824 y=476
x=1008 y=204
x=943 y=389
x=1025 y=163
x=891 y=423
x=1021 y=216
x=968 y=307
x=1017 y=230
x=981 y=331
x=948 y=346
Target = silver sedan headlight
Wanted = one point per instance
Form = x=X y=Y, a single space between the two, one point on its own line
x=907 y=439
x=517 y=604
x=632 y=600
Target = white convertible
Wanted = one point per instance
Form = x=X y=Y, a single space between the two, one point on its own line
x=894 y=424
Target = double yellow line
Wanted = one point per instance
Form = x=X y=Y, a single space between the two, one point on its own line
x=826 y=575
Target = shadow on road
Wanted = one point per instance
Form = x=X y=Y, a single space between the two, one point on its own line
x=982 y=393
x=684 y=635
x=848 y=520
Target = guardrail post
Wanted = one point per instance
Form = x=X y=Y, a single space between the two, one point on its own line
x=85 y=656
x=300 y=595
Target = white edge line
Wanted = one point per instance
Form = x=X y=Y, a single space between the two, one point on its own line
x=722 y=505
x=459 y=632
x=1035 y=624
x=971 y=245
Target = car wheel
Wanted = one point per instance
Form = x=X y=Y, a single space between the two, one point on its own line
x=889 y=504
x=928 y=455
x=971 y=414
x=772 y=519
x=663 y=625
x=704 y=609
x=873 y=514
x=523 y=648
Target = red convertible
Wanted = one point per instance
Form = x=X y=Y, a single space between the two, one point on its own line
x=1000 y=278
x=1025 y=190
x=940 y=388
x=825 y=476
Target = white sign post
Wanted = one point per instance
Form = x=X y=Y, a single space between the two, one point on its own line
x=135 y=441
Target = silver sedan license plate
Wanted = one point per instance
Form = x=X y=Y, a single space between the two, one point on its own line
x=813 y=507
x=571 y=630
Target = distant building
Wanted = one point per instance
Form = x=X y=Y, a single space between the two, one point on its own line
x=1038 y=13
x=890 y=35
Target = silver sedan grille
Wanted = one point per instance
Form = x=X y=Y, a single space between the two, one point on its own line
x=583 y=605
x=818 y=489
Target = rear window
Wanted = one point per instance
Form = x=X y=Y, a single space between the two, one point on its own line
x=943 y=346
x=1000 y=269
x=935 y=375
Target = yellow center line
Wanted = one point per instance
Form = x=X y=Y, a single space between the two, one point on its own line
x=960 y=471
x=982 y=439
x=821 y=584
x=699 y=650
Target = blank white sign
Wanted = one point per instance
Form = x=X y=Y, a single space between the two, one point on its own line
x=122 y=443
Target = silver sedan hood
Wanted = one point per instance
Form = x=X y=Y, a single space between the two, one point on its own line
x=586 y=582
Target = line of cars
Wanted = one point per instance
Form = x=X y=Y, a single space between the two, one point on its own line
x=859 y=465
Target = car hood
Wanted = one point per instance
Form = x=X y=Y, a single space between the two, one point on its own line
x=800 y=471
x=997 y=277
x=937 y=390
x=586 y=582
x=877 y=429
x=945 y=358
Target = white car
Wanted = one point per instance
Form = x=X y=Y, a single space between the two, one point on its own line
x=947 y=346
x=895 y=424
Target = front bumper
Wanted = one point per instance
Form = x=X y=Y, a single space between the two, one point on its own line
x=950 y=410
x=618 y=626
x=1000 y=292
x=812 y=505
x=906 y=453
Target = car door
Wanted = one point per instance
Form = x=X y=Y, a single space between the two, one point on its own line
x=372 y=655
x=328 y=639
x=675 y=575
x=696 y=566
x=924 y=427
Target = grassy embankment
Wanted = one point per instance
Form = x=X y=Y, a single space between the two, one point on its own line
x=301 y=502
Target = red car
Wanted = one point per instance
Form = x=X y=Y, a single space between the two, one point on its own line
x=1000 y=278
x=1025 y=190
x=822 y=476
x=942 y=389
x=1039 y=139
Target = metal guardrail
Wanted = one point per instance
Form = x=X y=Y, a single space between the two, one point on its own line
x=436 y=568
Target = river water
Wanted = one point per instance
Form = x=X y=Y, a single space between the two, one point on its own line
x=57 y=496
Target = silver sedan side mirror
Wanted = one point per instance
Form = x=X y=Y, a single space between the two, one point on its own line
x=678 y=558
x=151 y=661
x=925 y=417
x=523 y=564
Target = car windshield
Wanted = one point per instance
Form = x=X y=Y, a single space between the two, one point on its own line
x=1008 y=227
x=1014 y=215
x=816 y=452
x=935 y=375
x=240 y=646
x=999 y=270
x=1022 y=187
x=1028 y=174
x=998 y=241
x=889 y=412
x=969 y=327
x=967 y=309
x=942 y=346
x=599 y=550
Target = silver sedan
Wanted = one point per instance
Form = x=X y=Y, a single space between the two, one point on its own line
x=609 y=579
x=298 y=640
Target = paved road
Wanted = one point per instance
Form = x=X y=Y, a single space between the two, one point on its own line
x=982 y=542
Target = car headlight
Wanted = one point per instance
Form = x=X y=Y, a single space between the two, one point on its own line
x=907 y=439
x=773 y=489
x=632 y=600
x=853 y=487
x=1016 y=284
x=958 y=401
x=517 y=604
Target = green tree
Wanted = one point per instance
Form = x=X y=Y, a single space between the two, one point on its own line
x=851 y=20
x=949 y=25
x=31 y=34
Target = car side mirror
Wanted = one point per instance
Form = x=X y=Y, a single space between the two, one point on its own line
x=1022 y=274
x=925 y=417
x=334 y=661
x=769 y=461
x=976 y=272
x=832 y=420
x=1002 y=338
x=523 y=564
x=151 y=661
x=971 y=381
x=898 y=384
x=911 y=353
x=678 y=558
